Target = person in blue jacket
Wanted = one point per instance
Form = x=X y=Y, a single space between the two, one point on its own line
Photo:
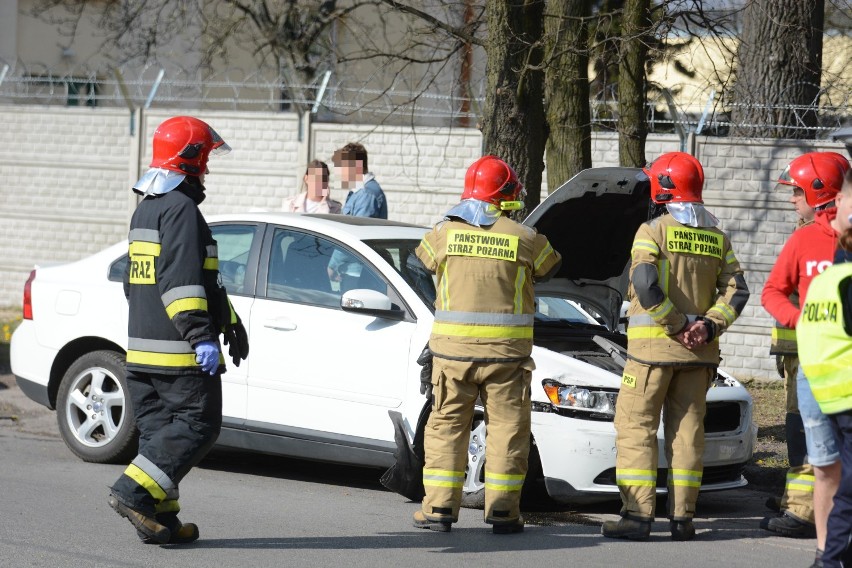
x=365 y=198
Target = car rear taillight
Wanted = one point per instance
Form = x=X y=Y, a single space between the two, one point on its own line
x=28 y=297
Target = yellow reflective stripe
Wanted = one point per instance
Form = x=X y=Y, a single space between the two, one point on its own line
x=144 y=248
x=146 y=481
x=167 y=506
x=185 y=305
x=445 y=289
x=211 y=263
x=504 y=481
x=646 y=332
x=730 y=258
x=663 y=275
x=545 y=252
x=685 y=478
x=233 y=312
x=636 y=477
x=783 y=334
x=725 y=311
x=165 y=359
x=801 y=482
x=483 y=331
x=649 y=246
x=651 y=332
x=520 y=278
x=837 y=385
x=443 y=478
x=662 y=310
x=428 y=248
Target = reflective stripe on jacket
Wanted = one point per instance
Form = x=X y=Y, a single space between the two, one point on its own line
x=172 y=285
x=485 y=297
x=677 y=274
x=825 y=348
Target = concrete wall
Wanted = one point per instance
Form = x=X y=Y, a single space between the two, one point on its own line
x=65 y=175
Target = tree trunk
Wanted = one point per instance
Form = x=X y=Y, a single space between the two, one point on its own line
x=514 y=126
x=779 y=68
x=632 y=128
x=566 y=90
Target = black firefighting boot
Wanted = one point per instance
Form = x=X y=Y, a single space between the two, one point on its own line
x=789 y=526
x=682 y=530
x=421 y=522
x=510 y=527
x=627 y=528
x=773 y=504
x=181 y=533
x=144 y=523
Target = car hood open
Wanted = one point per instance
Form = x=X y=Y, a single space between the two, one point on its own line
x=591 y=220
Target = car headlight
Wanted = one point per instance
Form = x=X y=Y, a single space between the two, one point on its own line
x=581 y=402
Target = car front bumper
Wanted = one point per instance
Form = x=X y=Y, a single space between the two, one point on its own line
x=578 y=457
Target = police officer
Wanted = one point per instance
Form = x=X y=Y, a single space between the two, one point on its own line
x=481 y=339
x=825 y=335
x=178 y=308
x=686 y=288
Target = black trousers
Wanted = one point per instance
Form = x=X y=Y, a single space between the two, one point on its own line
x=179 y=419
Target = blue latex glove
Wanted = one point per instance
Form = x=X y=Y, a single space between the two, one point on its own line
x=207 y=355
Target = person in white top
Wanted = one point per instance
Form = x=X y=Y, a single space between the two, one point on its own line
x=314 y=198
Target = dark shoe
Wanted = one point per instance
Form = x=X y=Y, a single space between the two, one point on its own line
x=627 y=528
x=774 y=504
x=512 y=527
x=421 y=522
x=180 y=533
x=682 y=530
x=817 y=559
x=145 y=524
x=785 y=525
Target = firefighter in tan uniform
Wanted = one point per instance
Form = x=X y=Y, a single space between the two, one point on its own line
x=481 y=339
x=796 y=506
x=686 y=288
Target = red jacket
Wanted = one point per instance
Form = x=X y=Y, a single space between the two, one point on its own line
x=808 y=252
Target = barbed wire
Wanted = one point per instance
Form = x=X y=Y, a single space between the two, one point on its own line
x=705 y=111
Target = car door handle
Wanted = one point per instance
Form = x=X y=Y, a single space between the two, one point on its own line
x=281 y=324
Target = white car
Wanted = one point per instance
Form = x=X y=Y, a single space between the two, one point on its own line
x=332 y=374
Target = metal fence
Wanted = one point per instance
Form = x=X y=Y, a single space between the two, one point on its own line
x=331 y=101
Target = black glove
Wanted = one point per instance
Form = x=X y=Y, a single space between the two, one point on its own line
x=236 y=339
x=425 y=361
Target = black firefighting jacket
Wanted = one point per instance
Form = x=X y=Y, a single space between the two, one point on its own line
x=172 y=284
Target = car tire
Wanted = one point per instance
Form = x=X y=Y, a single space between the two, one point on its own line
x=473 y=490
x=93 y=409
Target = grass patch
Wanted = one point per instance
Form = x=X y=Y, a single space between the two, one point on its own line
x=768 y=467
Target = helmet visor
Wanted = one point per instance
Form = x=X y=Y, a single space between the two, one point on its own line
x=220 y=147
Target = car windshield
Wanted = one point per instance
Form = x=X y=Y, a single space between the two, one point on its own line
x=554 y=309
x=400 y=255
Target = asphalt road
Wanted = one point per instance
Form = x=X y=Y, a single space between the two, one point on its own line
x=258 y=511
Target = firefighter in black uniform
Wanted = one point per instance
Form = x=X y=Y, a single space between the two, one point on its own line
x=178 y=308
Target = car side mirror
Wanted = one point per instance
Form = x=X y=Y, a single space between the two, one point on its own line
x=370 y=302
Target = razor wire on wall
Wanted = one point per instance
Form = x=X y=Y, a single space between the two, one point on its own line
x=334 y=101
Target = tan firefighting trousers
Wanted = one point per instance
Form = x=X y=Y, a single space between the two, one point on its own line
x=505 y=392
x=798 y=498
x=680 y=392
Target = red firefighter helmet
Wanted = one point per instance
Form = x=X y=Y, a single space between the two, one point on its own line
x=492 y=180
x=676 y=177
x=183 y=144
x=818 y=174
